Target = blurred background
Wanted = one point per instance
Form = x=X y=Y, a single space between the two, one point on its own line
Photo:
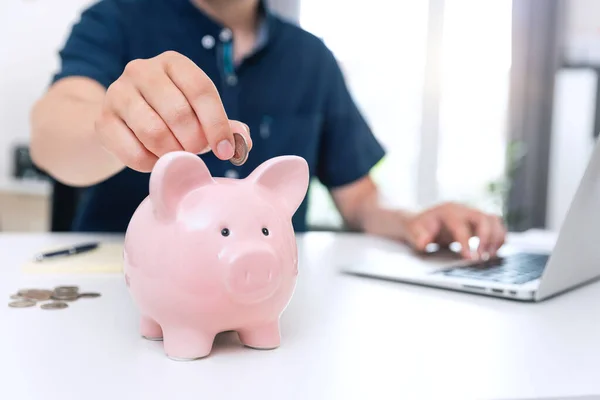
x=493 y=103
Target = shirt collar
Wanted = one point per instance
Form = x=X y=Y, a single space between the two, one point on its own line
x=263 y=33
x=211 y=27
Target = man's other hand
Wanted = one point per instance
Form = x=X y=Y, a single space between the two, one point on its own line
x=451 y=222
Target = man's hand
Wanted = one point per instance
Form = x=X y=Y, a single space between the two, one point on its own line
x=164 y=104
x=83 y=134
x=442 y=224
x=451 y=222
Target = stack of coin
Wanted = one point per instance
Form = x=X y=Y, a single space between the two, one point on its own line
x=65 y=293
x=59 y=297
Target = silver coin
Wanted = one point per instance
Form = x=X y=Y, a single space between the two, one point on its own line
x=22 y=303
x=240 y=154
x=35 y=294
x=66 y=289
x=22 y=298
x=65 y=297
x=89 y=295
x=55 y=305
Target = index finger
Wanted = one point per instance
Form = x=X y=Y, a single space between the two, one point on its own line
x=204 y=98
x=461 y=233
x=483 y=229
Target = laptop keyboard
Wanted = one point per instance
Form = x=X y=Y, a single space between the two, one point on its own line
x=514 y=269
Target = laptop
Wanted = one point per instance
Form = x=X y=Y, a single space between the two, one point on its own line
x=520 y=275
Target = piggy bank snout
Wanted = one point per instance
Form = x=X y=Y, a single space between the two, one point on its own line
x=253 y=275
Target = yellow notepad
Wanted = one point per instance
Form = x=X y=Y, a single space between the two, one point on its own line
x=106 y=258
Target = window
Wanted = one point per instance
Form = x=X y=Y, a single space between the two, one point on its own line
x=381 y=47
x=382 y=53
x=476 y=59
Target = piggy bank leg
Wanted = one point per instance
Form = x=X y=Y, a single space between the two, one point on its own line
x=264 y=337
x=150 y=329
x=184 y=344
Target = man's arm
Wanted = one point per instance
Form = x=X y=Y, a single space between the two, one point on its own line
x=62 y=121
x=62 y=135
x=359 y=205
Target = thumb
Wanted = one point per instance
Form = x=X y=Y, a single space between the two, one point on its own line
x=420 y=235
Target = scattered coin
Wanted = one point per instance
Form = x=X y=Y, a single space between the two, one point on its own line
x=60 y=295
x=240 y=154
x=35 y=294
x=55 y=305
x=22 y=303
x=90 y=295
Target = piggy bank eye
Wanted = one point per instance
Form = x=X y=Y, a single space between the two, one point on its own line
x=225 y=232
x=265 y=231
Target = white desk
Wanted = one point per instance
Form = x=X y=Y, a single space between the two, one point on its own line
x=343 y=337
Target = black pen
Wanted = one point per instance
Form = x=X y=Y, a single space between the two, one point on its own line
x=81 y=248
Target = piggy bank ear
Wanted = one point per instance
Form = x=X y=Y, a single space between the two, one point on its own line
x=287 y=177
x=175 y=175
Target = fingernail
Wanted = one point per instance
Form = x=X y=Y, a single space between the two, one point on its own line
x=225 y=149
x=205 y=150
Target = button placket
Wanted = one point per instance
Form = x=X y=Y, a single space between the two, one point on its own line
x=231 y=80
x=265 y=127
x=208 y=42
x=225 y=37
x=232 y=174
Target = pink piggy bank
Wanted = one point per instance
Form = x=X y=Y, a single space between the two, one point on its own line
x=205 y=255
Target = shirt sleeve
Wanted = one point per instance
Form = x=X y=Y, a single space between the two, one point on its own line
x=95 y=45
x=348 y=148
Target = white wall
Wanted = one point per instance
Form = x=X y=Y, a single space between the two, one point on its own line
x=31 y=33
x=574 y=106
x=572 y=142
x=582 y=29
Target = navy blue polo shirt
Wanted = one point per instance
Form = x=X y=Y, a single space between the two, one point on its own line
x=290 y=92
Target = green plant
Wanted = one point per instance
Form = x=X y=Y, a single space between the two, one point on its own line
x=499 y=189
